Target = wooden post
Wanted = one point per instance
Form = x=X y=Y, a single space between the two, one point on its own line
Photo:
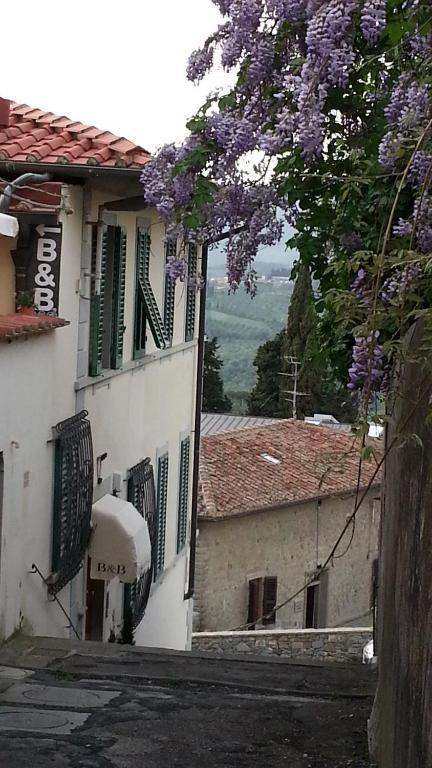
x=400 y=729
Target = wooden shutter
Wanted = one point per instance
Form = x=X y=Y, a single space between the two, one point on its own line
x=141 y=492
x=183 y=493
x=269 y=600
x=144 y=294
x=374 y=582
x=191 y=293
x=73 y=497
x=254 y=606
x=169 y=298
x=118 y=304
x=162 y=501
x=322 y=599
x=97 y=303
x=142 y=275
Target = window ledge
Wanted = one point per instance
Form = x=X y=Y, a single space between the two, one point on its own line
x=20 y=325
x=133 y=365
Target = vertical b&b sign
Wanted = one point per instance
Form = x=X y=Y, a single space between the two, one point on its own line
x=44 y=272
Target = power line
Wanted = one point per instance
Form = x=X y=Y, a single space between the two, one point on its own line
x=357 y=505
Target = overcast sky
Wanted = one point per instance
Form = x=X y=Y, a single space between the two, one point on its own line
x=117 y=65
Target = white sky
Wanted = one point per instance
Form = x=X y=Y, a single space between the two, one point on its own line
x=116 y=64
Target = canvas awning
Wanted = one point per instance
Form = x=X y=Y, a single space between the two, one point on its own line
x=120 y=544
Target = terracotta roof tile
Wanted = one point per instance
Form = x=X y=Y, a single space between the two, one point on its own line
x=34 y=135
x=308 y=462
x=14 y=326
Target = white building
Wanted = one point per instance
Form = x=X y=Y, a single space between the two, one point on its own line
x=97 y=396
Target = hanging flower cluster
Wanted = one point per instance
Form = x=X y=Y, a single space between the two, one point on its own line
x=302 y=72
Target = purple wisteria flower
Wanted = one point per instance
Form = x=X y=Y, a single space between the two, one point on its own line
x=200 y=61
x=176 y=268
x=373 y=20
x=359 y=287
x=367 y=367
x=398 y=284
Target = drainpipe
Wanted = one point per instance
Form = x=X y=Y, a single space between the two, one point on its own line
x=198 y=405
x=21 y=181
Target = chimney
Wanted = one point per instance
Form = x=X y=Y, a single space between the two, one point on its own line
x=4 y=112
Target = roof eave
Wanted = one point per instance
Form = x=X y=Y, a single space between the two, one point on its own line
x=65 y=170
x=285 y=504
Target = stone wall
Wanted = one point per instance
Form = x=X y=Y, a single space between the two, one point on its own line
x=316 y=644
x=288 y=543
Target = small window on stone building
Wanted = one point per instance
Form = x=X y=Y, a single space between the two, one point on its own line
x=262 y=601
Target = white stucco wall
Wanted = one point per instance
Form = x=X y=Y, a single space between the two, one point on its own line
x=141 y=411
x=135 y=412
x=36 y=392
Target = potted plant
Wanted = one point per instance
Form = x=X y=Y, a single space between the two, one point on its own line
x=25 y=303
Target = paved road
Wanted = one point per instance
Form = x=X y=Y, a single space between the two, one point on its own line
x=87 y=705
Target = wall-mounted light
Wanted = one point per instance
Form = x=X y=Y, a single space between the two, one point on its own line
x=9 y=226
x=99 y=461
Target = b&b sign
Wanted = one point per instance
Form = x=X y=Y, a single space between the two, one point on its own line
x=101 y=569
x=37 y=259
x=43 y=272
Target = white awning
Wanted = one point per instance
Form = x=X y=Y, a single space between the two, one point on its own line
x=120 y=544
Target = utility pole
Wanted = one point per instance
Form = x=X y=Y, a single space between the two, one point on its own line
x=294 y=393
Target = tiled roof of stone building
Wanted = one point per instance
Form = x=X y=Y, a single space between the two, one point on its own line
x=273 y=466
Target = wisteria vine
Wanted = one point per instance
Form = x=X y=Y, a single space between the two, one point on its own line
x=327 y=92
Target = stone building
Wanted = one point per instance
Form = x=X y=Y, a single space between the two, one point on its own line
x=274 y=500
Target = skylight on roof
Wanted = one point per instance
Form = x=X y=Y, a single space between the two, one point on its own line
x=271 y=459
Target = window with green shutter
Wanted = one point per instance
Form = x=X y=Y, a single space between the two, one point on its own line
x=191 y=293
x=182 y=507
x=73 y=497
x=141 y=276
x=169 y=293
x=107 y=299
x=141 y=493
x=146 y=308
x=162 y=501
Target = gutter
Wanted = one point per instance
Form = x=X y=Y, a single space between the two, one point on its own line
x=197 y=431
x=65 y=170
x=287 y=504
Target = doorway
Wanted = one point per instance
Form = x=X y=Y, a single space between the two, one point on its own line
x=312 y=606
x=95 y=600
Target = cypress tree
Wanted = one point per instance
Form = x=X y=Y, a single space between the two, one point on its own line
x=214 y=398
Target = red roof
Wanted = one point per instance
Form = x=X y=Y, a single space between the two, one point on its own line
x=29 y=135
x=303 y=462
x=13 y=326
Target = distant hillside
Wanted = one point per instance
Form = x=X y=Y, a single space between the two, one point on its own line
x=268 y=258
x=241 y=325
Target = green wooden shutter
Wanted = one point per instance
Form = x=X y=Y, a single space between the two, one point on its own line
x=182 y=508
x=144 y=291
x=143 y=254
x=152 y=313
x=118 y=305
x=169 y=297
x=162 y=501
x=142 y=276
x=191 y=293
x=97 y=304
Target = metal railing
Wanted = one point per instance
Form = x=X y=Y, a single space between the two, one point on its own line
x=54 y=599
